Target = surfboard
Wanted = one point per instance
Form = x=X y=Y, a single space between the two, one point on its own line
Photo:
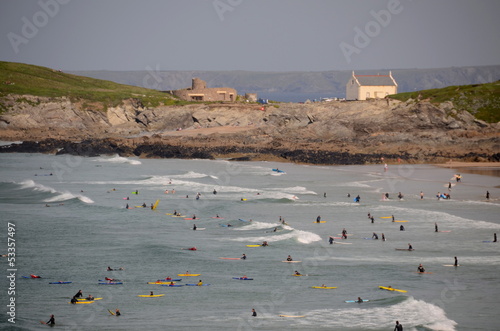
x=81 y=302
x=174 y=285
x=324 y=287
x=135 y=192
x=425 y=272
x=162 y=282
x=293 y=316
x=111 y=312
x=200 y=229
x=295 y=275
x=445 y=231
x=384 y=217
x=170 y=280
x=404 y=249
x=156 y=204
x=197 y=285
x=178 y=215
x=451 y=265
x=400 y=221
x=291 y=261
x=241 y=278
x=339 y=243
x=188 y=275
x=219 y=218
x=279 y=171
x=60 y=282
x=351 y=301
x=83 y=299
x=150 y=296
x=110 y=283
x=254 y=245
x=348 y=234
x=229 y=258
x=239 y=219
x=114 y=280
x=392 y=289
x=319 y=222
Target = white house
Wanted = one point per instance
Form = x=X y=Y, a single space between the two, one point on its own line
x=362 y=87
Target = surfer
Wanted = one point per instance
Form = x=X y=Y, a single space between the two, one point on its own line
x=398 y=327
x=487 y=195
x=410 y=247
x=456 y=262
x=74 y=300
x=51 y=321
x=375 y=236
x=330 y=240
x=401 y=227
x=400 y=196
x=152 y=206
x=214 y=192
x=494 y=237
x=200 y=283
x=383 y=237
x=90 y=297
x=194 y=216
x=79 y=294
x=35 y=276
x=421 y=195
x=357 y=199
x=194 y=226
x=243 y=257
x=348 y=195
x=360 y=300
x=318 y=219
x=393 y=219
x=344 y=233
x=275 y=229
x=369 y=215
x=420 y=268
x=144 y=205
x=372 y=219
x=264 y=243
x=289 y=258
x=126 y=206
x=254 y=313
x=117 y=312
x=297 y=273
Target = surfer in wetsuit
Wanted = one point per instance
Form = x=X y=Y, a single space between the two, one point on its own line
x=254 y=313
x=360 y=300
x=420 y=268
x=410 y=247
x=357 y=199
x=243 y=257
x=214 y=192
x=318 y=219
x=264 y=243
x=117 y=312
x=289 y=258
x=90 y=297
x=383 y=237
x=297 y=273
x=398 y=327
x=436 y=227
x=51 y=321
x=194 y=226
x=79 y=294
x=330 y=240
x=374 y=236
x=344 y=233
x=494 y=237
x=74 y=300
x=456 y=262
x=401 y=227
x=487 y=195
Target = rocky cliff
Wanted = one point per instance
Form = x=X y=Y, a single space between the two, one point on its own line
x=336 y=132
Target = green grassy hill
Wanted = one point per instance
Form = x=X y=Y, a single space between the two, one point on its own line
x=18 y=78
x=481 y=100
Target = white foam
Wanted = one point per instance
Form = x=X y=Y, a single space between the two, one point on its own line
x=118 y=159
x=303 y=237
x=255 y=225
x=61 y=196
x=411 y=312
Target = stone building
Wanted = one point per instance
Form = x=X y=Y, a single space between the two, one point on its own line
x=362 y=87
x=200 y=92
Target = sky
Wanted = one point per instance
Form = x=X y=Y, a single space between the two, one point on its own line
x=251 y=35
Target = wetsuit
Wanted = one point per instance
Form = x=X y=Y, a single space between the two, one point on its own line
x=421 y=269
x=78 y=295
x=398 y=327
x=51 y=321
x=330 y=240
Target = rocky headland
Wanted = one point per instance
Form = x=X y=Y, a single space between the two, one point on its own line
x=337 y=132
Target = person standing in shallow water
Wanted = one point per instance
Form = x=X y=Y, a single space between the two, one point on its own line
x=398 y=327
x=254 y=313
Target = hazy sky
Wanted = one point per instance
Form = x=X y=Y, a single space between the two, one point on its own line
x=255 y=35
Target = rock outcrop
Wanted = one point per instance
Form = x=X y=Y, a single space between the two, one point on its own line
x=321 y=133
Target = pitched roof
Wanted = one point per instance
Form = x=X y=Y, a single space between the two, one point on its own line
x=375 y=80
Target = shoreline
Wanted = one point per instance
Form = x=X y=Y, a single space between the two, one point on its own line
x=460 y=164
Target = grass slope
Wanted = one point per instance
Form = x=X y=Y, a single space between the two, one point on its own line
x=481 y=100
x=19 y=78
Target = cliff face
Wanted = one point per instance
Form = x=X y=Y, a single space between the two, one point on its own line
x=322 y=133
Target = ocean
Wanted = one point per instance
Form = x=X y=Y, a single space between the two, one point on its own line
x=64 y=219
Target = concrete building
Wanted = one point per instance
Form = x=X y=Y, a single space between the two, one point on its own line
x=200 y=92
x=362 y=87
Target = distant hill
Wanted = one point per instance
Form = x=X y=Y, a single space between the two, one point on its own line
x=332 y=83
x=26 y=79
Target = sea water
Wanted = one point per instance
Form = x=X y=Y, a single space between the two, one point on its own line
x=70 y=223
